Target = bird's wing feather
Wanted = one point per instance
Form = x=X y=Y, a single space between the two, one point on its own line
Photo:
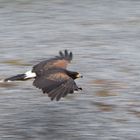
x=60 y=61
x=62 y=90
x=56 y=85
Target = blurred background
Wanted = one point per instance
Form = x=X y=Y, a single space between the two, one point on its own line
x=104 y=36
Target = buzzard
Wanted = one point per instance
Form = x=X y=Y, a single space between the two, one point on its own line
x=52 y=76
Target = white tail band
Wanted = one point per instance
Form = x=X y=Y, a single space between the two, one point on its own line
x=29 y=74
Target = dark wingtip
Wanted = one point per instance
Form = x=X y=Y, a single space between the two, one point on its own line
x=61 y=54
x=70 y=55
x=57 y=99
x=66 y=54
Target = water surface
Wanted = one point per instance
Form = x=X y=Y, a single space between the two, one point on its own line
x=104 y=37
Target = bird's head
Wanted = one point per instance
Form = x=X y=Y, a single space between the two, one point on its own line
x=78 y=75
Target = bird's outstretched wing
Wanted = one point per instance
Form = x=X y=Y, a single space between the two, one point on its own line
x=56 y=85
x=60 y=61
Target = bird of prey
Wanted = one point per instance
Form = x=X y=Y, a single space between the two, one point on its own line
x=52 y=76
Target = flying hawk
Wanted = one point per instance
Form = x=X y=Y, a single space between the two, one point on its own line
x=52 y=76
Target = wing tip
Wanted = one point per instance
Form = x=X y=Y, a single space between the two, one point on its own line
x=68 y=55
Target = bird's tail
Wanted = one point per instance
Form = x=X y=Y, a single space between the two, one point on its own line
x=14 y=78
x=21 y=77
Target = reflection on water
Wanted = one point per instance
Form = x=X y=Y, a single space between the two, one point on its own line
x=104 y=37
x=15 y=62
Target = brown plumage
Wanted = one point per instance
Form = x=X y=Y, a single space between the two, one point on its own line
x=52 y=76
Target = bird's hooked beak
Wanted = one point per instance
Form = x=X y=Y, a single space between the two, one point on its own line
x=79 y=75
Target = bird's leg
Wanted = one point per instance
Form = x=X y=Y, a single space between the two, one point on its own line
x=80 y=88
